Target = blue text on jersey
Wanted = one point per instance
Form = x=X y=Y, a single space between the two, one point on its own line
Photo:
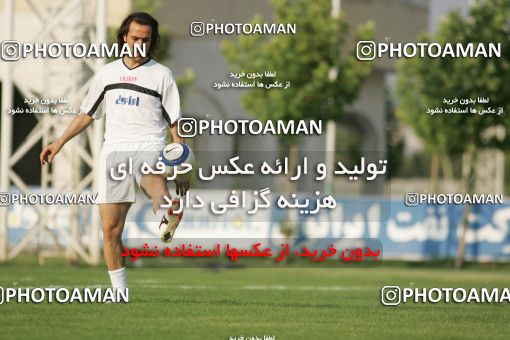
x=135 y=101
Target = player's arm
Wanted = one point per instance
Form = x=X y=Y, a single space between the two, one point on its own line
x=77 y=125
x=175 y=136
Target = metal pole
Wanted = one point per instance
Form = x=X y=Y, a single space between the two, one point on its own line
x=98 y=138
x=331 y=125
x=6 y=147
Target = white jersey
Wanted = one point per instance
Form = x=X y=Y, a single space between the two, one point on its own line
x=139 y=103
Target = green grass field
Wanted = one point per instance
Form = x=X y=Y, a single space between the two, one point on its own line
x=295 y=303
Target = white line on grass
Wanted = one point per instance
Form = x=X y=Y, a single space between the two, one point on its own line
x=257 y=287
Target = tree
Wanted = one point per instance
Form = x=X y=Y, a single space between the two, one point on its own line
x=424 y=82
x=306 y=60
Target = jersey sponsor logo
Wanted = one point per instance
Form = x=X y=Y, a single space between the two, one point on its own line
x=132 y=101
x=128 y=79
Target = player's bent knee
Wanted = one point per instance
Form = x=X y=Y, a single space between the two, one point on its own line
x=112 y=230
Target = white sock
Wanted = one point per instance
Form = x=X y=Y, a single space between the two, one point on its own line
x=118 y=278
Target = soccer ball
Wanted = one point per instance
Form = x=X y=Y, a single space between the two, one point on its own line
x=174 y=155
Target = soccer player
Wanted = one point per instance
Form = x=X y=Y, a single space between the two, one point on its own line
x=140 y=99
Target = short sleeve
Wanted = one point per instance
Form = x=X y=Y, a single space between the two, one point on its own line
x=170 y=102
x=93 y=104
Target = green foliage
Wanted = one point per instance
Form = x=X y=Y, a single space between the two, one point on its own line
x=423 y=82
x=305 y=60
x=148 y=6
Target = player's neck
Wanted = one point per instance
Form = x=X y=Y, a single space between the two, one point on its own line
x=132 y=63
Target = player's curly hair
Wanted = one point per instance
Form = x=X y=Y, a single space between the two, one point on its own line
x=143 y=19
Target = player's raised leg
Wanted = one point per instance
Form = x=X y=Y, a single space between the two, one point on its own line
x=113 y=216
x=156 y=189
